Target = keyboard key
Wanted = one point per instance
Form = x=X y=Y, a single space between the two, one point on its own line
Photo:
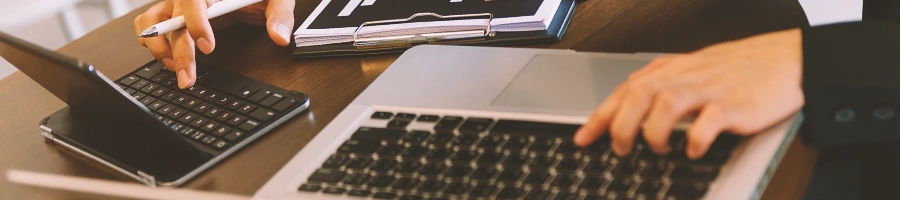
x=464 y=156
x=563 y=181
x=515 y=160
x=483 y=191
x=212 y=96
x=160 y=92
x=475 y=125
x=285 y=104
x=200 y=121
x=489 y=157
x=202 y=107
x=161 y=77
x=536 y=178
x=225 y=116
x=263 y=114
x=491 y=141
x=247 y=108
x=398 y=124
x=181 y=100
x=384 y=134
x=220 y=145
x=448 y=123
x=156 y=105
x=208 y=140
x=357 y=179
x=382 y=115
x=596 y=167
x=510 y=175
x=414 y=152
x=483 y=174
x=649 y=188
x=248 y=125
x=408 y=167
x=457 y=188
x=441 y=139
x=166 y=109
x=600 y=197
x=384 y=195
x=200 y=92
x=432 y=169
x=271 y=100
x=530 y=128
x=568 y=165
x=259 y=96
x=177 y=113
x=431 y=186
x=537 y=195
x=140 y=84
x=130 y=91
x=359 y=193
x=624 y=169
x=170 y=96
x=334 y=190
x=687 y=190
x=457 y=171
x=150 y=88
x=591 y=183
x=406 y=183
x=542 y=163
x=198 y=135
x=191 y=103
x=359 y=163
x=237 y=120
x=188 y=118
x=566 y=148
x=235 y=135
x=360 y=147
x=417 y=136
x=516 y=143
x=147 y=100
x=383 y=165
x=129 y=80
x=428 y=118
x=465 y=140
x=309 y=188
x=620 y=185
x=221 y=131
x=335 y=161
x=405 y=116
x=391 y=150
x=234 y=105
x=510 y=192
x=223 y=100
x=381 y=181
x=246 y=92
x=327 y=176
x=169 y=83
x=654 y=170
x=438 y=154
x=411 y=197
x=214 y=112
x=566 y=196
x=138 y=96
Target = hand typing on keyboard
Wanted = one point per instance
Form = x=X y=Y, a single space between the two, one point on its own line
x=740 y=87
x=177 y=53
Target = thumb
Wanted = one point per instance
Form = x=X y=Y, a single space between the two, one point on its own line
x=280 y=20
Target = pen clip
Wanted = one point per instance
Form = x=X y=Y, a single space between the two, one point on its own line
x=407 y=40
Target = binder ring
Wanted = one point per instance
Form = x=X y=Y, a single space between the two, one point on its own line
x=409 y=40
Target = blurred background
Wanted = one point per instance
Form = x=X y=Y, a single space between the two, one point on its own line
x=53 y=23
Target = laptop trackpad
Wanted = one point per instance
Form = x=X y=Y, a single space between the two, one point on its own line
x=568 y=82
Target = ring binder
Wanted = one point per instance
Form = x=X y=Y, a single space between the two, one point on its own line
x=426 y=38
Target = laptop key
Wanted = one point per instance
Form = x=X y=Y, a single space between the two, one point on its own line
x=475 y=125
x=516 y=143
x=360 y=147
x=398 y=124
x=224 y=116
x=596 y=167
x=687 y=190
x=334 y=190
x=188 y=118
x=441 y=138
x=438 y=154
x=214 y=112
x=489 y=157
x=235 y=135
x=234 y=105
x=130 y=91
x=357 y=179
x=417 y=136
x=406 y=183
x=483 y=191
x=510 y=192
x=212 y=96
x=138 y=96
x=221 y=131
x=129 y=80
x=428 y=118
x=359 y=193
x=457 y=171
x=382 y=115
x=160 y=92
x=148 y=100
x=383 y=165
x=566 y=148
x=161 y=77
x=457 y=188
x=198 y=122
x=563 y=181
x=694 y=172
x=220 y=145
x=148 y=72
x=177 y=113
x=378 y=134
x=448 y=123
x=542 y=162
x=327 y=176
x=181 y=99
x=568 y=165
x=510 y=175
x=150 y=88
x=515 y=160
x=223 y=100
x=157 y=105
x=492 y=141
x=649 y=188
x=414 y=152
x=536 y=178
x=247 y=108
x=391 y=150
x=624 y=169
x=335 y=161
x=411 y=197
x=483 y=174
x=202 y=107
x=654 y=170
x=566 y=196
x=432 y=169
x=359 y=163
x=465 y=140
x=464 y=156
x=248 y=125
x=591 y=183
x=381 y=181
x=237 y=120
x=431 y=186
x=191 y=103
x=384 y=195
x=405 y=116
x=408 y=167
x=537 y=195
x=309 y=188
x=140 y=84
x=209 y=140
x=620 y=185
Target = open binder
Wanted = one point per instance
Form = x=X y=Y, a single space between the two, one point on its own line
x=484 y=37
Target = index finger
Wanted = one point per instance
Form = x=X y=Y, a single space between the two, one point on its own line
x=197 y=23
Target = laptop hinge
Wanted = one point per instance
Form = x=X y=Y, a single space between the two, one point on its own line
x=45 y=131
x=147 y=179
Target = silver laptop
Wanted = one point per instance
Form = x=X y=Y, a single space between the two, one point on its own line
x=455 y=122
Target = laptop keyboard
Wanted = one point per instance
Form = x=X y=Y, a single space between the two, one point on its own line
x=488 y=158
x=214 y=116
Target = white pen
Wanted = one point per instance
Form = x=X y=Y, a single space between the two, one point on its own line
x=217 y=9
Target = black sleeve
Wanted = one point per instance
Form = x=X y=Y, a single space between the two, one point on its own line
x=851 y=83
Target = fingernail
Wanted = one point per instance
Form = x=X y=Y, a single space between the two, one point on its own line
x=693 y=152
x=184 y=79
x=283 y=31
x=168 y=62
x=619 y=149
x=204 y=45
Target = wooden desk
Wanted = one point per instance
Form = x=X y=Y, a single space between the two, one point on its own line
x=598 y=25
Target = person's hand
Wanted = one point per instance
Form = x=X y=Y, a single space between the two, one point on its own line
x=741 y=87
x=177 y=52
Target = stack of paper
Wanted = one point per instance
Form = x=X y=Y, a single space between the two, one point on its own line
x=336 y=21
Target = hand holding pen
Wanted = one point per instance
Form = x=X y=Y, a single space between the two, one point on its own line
x=177 y=51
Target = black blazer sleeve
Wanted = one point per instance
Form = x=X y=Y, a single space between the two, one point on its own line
x=851 y=83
